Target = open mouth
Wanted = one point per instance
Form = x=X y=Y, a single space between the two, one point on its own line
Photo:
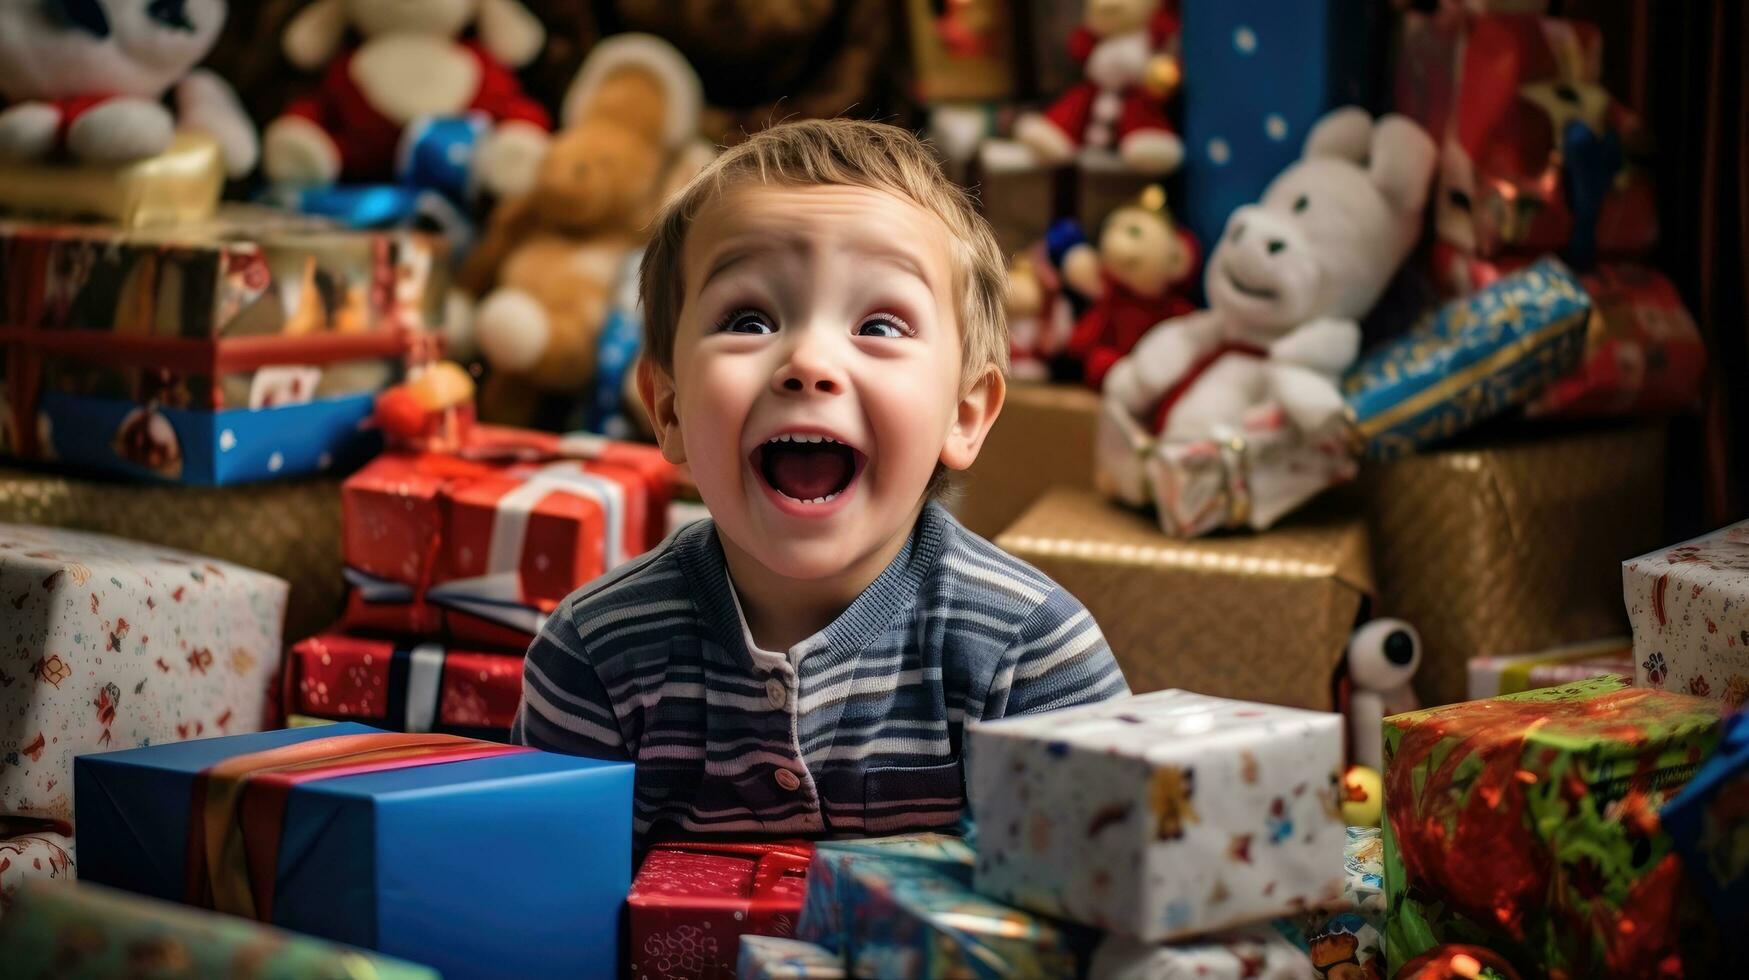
x=808 y=468
x=1246 y=289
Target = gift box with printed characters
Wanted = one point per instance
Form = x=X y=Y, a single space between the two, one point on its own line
x=1471 y=360
x=1528 y=824
x=480 y=545
x=1643 y=352
x=32 y=850
x=771 y=958
x=86 y=930
x=1493 y=676
x=1512 y=542
x=1259 y=952
x=112 y=643
x=1159 y=816
x=241 y=349
x=290 y=529
x=1689 y=604
x=1257 y=75
x=476 y=858
x=692 y=904
x=911 y=912
x=1263 y=617
x=1534 y=153
x=404 y=686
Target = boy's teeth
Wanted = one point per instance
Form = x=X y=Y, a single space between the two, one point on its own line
x=801 y=437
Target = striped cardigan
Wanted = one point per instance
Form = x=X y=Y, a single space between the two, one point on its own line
x=860 y=733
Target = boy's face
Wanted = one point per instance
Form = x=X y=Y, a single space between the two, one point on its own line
x=816 y=379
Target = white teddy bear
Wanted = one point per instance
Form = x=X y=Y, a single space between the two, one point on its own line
x=90 y=77
x=1286 y=286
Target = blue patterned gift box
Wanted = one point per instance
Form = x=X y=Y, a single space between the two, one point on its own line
x=904 y=908
x=1473 y=359
x=1257 y=75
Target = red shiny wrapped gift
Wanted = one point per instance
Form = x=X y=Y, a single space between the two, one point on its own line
x=404 y=687
x=1514 y=102
x=481 y=544
x=1643 y=353
x=692 y=902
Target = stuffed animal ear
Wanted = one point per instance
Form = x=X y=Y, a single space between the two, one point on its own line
x=655 y=57
x=1343 y=133
x=314 y=34
x=1401 y=162
x=510 y=32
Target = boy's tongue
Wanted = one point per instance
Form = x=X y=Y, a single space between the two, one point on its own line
x=807 y=471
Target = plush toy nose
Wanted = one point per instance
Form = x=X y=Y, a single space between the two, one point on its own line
x=1276 y=245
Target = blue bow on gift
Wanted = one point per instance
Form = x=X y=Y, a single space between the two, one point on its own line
x=434 y=186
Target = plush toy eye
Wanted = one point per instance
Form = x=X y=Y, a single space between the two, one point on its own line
x=1383 y=654
x=84 y=15
x=1458 y=199
x=171 y=13
x=1300 y=203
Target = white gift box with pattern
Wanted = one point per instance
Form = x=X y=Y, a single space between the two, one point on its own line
x=1160 y=815
x=1689 y=604
x=113 y=644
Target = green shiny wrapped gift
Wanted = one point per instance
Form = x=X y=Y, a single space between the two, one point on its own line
x=73 y=931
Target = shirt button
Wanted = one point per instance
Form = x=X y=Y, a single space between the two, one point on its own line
x=776 y=692
x=788 y=780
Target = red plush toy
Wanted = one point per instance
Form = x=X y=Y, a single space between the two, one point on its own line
x=1129 y=50
x=1133 y=280
x=410 y=65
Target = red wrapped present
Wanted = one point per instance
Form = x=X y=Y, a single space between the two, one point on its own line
x=480 y=545
x=404 y=687
x=692 y=902
x=1643 y=353
x=1532 y=147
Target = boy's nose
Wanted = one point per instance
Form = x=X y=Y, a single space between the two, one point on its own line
x=808 y=370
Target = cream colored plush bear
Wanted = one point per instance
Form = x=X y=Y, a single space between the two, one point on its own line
x=1287 y=285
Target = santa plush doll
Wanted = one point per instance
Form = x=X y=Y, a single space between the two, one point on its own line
x=412 y=64
x=1129 y=50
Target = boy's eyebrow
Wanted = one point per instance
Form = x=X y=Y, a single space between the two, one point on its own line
x=765 y=244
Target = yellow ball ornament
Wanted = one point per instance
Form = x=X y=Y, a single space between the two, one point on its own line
x=1363 y=797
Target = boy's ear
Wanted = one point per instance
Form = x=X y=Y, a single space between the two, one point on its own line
x=656 y=391
x=977 y=411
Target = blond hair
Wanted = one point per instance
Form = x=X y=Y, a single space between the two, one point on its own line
x=843 y=152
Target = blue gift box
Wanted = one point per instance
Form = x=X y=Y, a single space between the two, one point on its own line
x=1471 y=360
x=1709 y=825
x=516 y=865
x=1257 y=75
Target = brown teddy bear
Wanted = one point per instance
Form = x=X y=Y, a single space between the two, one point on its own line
x=554 y=262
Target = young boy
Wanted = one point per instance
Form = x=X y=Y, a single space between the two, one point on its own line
x=824 y=338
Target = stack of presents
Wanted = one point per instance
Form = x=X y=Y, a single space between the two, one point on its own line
x=1347 y=430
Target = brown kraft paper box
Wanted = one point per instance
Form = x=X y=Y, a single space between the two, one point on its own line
x=1043 y=438
x=1503 y=545
x=1259 y=617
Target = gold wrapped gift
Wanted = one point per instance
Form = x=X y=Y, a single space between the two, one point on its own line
x=1043 y=438
x=1506 y=546
x=182 y=184
x=1260 y=617
x=962 y=52
x=290 y=529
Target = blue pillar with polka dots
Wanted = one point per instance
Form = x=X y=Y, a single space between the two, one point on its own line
x=1257 y=75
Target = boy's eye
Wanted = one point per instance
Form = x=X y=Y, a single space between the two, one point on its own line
x=747 y=321
x=883 y=326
